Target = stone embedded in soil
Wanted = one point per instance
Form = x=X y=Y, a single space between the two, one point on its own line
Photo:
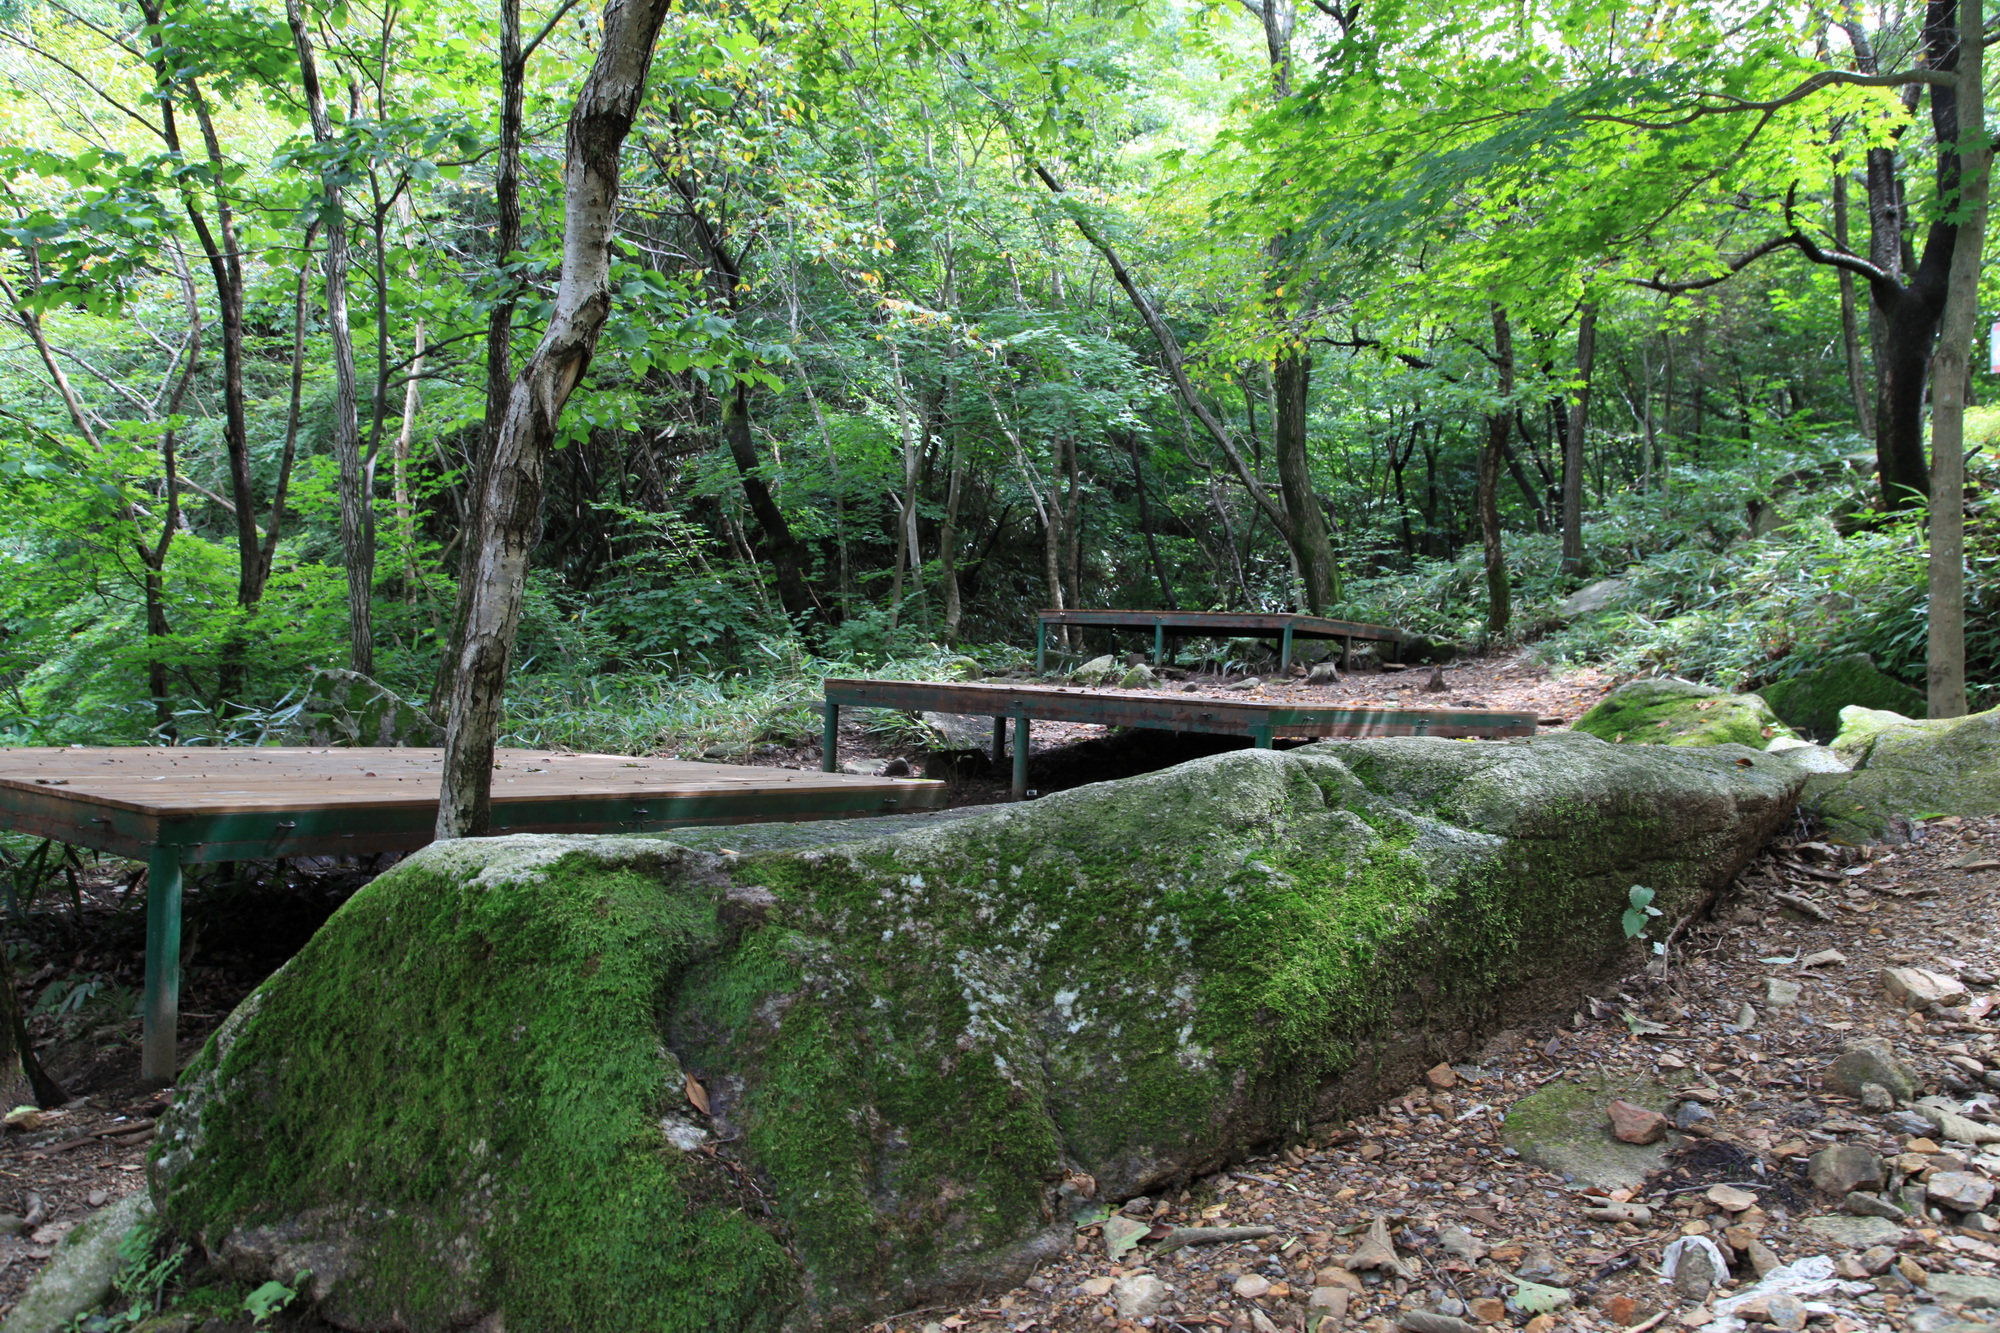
x=1672 y=712
x=1842 y=1168
x=1856 y=1233
x=1441 y=1078
x=1958 y=1189
x=1870 y=1060
x=1979 y=1293
x=1563 y=1127
x=1729 y=1198
x=1139 y=1296
x=1635 y=1124
x=897 y=1023
x=1915 y=987
x=1876 y=1098
x=1780 y=993
x=1251 y=1286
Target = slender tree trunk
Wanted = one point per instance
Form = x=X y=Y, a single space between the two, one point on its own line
x=1146 y=526
x=499 y=324
x=1850 y=323
x=1573 y=437
x=1951 y=377
x=1291 y=381
x=23 y=1081
x=954 y=610
x=1499 y=599
x=290 y=453
x=510 y=513
x=780 y=546
x=357 y=510
x=399 y=461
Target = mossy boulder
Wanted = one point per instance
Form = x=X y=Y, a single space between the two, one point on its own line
x=801 y=1076
x=1812 y=701
x=1679 y=712
x=1907 y=766
x=348 y=708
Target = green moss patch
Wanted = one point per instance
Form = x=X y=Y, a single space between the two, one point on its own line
x=1811 y=702
x=1675 y=712
x=469 y=1093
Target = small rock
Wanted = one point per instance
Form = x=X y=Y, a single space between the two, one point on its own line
x=1955 y=1128
x=1334 y=1276
x=1542 y=1266
x=1097 y=1286
x=1261 y=1322
x=1635 y=1124
x=1331 y=1299
x=1981 y=1293
x=1323 y=673
x=1876 y=1259
x=1824 y=958
x=1139 y=1296
x=1442 y=1078
x=1913 y=1272
x=12 y=1224
x=1959 y=1189
x=97 y=1198
x=1780 y=993
x=1622 y=1309
x=1843 y=1168
x=1762 y=1257
x=1695 y=1275
x=1916 y=987
x=1422 y=1321
x=1140 y=677
x=1855 y=1233
x=1729 y=1198
x=1746 y=1017
x=1489 y=1310
x=1250 y=1286
x=1461 y=1244
x=1870 y=1061
x=1247 y=683
x=1692 y=1116
x=1785 y=1311
x=1876 y=1098
x=1638 y=1214
x=1870 y=1205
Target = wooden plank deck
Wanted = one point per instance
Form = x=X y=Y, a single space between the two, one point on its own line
x=1262 y=721
x=175 y=807
x=1281 y=625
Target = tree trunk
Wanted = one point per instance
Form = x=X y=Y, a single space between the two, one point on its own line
x=1952 y=377
x=1291 y=383
x=1579 y=423
x=23 y=1081
x=780 y=546
x=510 y=512
x=954 y=610
x=1499 y=599
x=1146 y=527
x=399 y=460
x=357 y=510
x=1858 y=387
x=499 y=324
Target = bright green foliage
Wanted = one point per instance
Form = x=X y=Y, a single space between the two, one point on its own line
x=1635 y=917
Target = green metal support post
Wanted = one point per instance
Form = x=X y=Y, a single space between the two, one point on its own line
x=159 y=1058
x=1262 y=737
x=1159 y=642
x=999 y=739
x=1020 y=756
x=1041 y=645
x=829 y=741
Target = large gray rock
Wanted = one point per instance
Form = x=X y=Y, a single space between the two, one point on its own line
x=1870 y=1060
x=613 y=1083
x=1593 y=598
x=1903 y=766
x=80 y=1275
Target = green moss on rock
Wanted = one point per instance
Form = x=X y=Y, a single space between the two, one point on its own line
x=1812 y=701
x=1678 y=712
x=1904 y=766
x=467 y=1094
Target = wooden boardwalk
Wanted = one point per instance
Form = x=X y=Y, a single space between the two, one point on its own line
x=1280 y=625
x=1261 y=721
x=175 y=807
